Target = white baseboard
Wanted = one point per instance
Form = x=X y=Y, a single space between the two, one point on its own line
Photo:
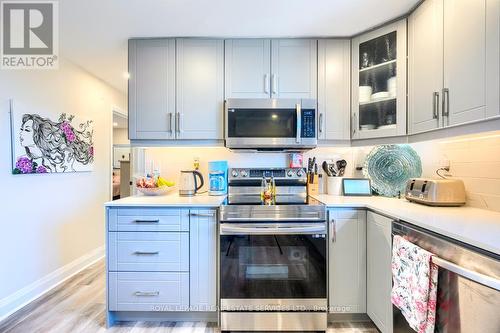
x=28 y=294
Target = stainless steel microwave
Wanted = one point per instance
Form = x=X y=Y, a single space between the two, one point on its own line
x=286 y=124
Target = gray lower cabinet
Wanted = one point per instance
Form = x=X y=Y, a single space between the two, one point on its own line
x=347 y=260
x=161 y=259
x=203 y=260
x=378 y=275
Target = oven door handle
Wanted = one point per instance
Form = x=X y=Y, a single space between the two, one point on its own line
x=226 y=229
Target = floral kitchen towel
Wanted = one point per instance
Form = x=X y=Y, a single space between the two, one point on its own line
x=414 y=289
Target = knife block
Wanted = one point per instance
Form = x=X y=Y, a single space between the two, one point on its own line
x=313 y=188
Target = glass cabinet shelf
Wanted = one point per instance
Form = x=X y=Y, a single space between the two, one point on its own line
x=378 y=65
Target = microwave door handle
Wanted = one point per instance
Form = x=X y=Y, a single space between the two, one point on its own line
x=299 y=122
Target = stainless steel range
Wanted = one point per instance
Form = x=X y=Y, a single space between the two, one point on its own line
x=273 y=258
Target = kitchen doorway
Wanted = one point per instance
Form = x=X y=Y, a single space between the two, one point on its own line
x=120 y=168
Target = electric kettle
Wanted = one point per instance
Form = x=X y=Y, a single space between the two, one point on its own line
x=188 y=185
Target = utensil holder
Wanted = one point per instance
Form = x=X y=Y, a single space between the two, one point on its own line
x=334 y=185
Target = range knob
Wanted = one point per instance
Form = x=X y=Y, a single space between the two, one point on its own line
x=290 y=173
x=300 y=173
x=234 y=173
x=243 y=173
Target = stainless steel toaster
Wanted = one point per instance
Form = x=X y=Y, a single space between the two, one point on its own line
x=436 y=192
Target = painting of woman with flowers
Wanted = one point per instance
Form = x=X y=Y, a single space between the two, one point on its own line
x=42 y=145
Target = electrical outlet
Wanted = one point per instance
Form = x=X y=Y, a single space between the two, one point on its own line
x=444 y=164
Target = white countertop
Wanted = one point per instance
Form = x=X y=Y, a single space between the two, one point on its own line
x=170 y=200
x=478 y=227
x=474 y=226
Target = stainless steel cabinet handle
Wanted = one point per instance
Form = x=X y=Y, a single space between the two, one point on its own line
x=299 y=122
x=170 y=122
x=435 y=105
x=334 y=231
x=354 y=123
x=178 y=122
x=147 y=221
x=467 y=273
x=266 y=83
x=202 y=214
x=147 y=293
x=320 y=121
x=146 y=253
x=446 y=102
x=274 y=84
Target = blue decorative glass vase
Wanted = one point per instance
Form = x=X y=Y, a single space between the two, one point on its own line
x=389 y=168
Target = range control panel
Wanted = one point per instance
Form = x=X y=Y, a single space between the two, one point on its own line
x=257 y=173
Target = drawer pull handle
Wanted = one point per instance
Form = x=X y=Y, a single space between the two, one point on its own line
x=147 y=221
x=147 y=293
x=202 y=215
x=146 y=253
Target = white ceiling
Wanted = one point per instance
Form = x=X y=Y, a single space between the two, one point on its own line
x=94 y=33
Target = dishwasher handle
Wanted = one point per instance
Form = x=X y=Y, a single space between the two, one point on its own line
x=485 y=280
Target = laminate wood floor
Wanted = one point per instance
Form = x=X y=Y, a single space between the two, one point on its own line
x=78 y=306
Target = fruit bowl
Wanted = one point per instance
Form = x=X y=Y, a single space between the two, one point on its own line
x=162 y=190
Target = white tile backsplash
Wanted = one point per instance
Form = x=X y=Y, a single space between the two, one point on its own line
x=474 y=159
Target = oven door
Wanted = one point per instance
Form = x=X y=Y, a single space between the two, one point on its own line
x=273 y=123
x=273 y=267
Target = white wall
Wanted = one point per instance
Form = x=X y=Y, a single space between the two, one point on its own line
x=49 y=221
x=120 y=136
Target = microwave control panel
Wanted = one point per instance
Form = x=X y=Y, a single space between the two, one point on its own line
x=308 y=124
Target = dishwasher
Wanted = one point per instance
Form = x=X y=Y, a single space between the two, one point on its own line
x=468 y=283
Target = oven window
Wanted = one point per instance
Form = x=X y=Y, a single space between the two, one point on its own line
x=262 y=123
x=282 y=266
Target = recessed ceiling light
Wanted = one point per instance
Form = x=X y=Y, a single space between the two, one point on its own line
x=126 y=75
x=115 y=124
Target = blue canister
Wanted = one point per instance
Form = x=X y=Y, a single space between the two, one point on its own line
x=217 y=177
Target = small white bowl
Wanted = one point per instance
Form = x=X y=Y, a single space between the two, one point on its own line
x=380 y=95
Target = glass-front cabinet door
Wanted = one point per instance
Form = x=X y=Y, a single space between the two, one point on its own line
x=379 y=82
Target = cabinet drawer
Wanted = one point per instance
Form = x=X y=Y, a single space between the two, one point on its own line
x=149 y=219
x=344 y=213
x=148 y=251
x=148 y=291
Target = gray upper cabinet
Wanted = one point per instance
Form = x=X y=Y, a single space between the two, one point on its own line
x=176 y=89
x=264 y=68
x=200 y=88
x=465 y=69
x=425 y=66
x=334 y=94
x=379 y=82
x=453 y=63
x=294 y=68
x=151 y=88
x=248 y=68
